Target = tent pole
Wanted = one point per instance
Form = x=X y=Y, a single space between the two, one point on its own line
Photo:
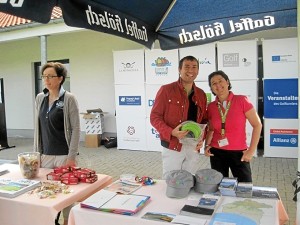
x=43 y=42
x=165 y=15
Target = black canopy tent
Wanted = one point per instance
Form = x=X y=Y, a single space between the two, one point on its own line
x=175 y=23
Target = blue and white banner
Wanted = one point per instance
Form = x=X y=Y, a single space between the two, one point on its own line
x=130 y=101
x=281 y=138
x=284 y=137
x=281 y=98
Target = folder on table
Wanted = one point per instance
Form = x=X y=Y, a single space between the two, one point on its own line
x=112 y=202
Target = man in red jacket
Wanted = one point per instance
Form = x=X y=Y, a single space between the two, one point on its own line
x=175 y=103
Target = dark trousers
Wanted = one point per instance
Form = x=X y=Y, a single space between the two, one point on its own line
x=223 y=160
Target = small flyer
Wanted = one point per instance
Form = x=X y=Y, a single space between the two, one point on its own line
x=121 y=187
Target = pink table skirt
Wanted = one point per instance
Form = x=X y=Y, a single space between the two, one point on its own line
x=29 y=209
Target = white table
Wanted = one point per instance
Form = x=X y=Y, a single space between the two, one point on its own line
x=30 y=210
x=159 y=203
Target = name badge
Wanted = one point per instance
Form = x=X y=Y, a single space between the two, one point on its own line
x=223 y=142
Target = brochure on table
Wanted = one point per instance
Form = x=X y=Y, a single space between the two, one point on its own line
x=109 y=201
x=122 y=187
x=12 y=188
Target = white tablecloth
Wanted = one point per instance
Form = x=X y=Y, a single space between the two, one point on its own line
x=159 y=203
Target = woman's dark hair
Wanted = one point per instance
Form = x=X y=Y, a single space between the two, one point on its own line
x=222 y=74
x=189 y=58
x=60 y=69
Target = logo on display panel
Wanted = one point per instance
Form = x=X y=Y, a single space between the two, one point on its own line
x=130 y=100
x=283 y=58
x=131 y=130
x=155 y=133
x=128 y=67
x=233 y=60
x=205 y=61
x=150 y=102
x=284 y=137
x=161 y=65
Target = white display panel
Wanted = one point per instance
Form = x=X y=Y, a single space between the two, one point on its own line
x=161 y=67
x=131 y=133
x=280 y=57
x=130 y=101
x=152 y=136
x=151 y=91
x=206 y=54
x=238 y=59
x=129 y=67
x=281 y=138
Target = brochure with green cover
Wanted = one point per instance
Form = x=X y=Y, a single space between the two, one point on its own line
x=12 y=188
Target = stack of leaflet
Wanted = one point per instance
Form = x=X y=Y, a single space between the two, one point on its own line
x=209 y=201
x=13 y=188
x=205 y=208
x=265 y=192
x=109 y=201
x=228 y=186
x=244 y=189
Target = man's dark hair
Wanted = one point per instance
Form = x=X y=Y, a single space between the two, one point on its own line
x=189 y=58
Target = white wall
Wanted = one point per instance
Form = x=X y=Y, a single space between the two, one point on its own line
x=16 y=68
x=91 y=70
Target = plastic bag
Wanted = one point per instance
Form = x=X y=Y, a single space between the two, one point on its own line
x=196 y=132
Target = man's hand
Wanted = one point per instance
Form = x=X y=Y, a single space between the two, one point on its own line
x=176 y=132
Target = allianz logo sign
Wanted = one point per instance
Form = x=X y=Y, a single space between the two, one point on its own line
x=13 y=3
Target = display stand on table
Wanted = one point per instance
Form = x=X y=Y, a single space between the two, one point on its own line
x=3 y=132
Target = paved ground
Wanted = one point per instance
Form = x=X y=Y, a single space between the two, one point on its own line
x=274 y=172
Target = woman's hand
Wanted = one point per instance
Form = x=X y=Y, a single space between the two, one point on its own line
x=247 y=156
x=71 y=162
x=207 y=151
x=199 y=146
